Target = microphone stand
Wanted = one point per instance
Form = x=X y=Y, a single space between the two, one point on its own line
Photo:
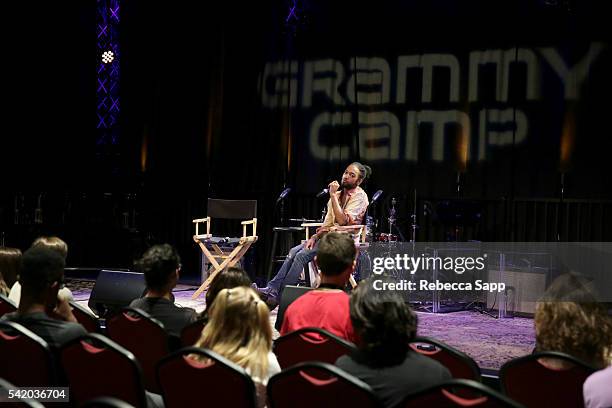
x=392 y=220
x=414 y=220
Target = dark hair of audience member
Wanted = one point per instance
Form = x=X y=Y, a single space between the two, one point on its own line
x=10 y=262
x=384 y=323
x=158 y=264
x=40 y=268
x=335 y=253
x=54 y=243
x=227 y=279
x=569 y=319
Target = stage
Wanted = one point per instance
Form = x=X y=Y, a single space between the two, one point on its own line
x=489 y=341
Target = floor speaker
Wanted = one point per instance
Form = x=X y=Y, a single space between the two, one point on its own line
x=114 y=290
x=523 y=289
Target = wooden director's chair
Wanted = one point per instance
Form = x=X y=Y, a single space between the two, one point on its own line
x=219 y=259
x=360 y=241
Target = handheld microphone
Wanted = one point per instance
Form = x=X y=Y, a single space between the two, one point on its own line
x=322 y=192
x=283 y=194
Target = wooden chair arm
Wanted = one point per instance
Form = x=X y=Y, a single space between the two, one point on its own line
x=308 y=225
x=312 y=224
x=358 y=228
x=197 y=222
x=244 y=227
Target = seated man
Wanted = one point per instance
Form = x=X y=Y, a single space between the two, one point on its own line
x=384 y=360
x=327 y=307
x=346 y=206
x=161 y=265
x=41 y=277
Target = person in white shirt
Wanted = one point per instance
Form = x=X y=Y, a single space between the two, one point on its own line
x=56 y=244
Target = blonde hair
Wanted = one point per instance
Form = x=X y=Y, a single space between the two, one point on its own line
x=54 y=243
x=239 y=330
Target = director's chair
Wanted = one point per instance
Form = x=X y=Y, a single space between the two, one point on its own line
x=359 y=235
x=213 y=247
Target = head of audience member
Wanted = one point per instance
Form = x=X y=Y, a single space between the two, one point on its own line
x=227 y=279
x=41 y=277
x=383 y=321
x=336 y=257
x=569 y=319
x=161 y=265
x=239 y=329
x=54 y=243
x=355 y=174
x=10 y=262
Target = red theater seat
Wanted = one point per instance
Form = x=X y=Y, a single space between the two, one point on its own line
x=310 y=344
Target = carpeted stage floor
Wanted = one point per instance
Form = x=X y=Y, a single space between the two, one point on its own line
x=491 y=342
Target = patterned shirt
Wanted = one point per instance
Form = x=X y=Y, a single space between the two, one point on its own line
x=354 y=208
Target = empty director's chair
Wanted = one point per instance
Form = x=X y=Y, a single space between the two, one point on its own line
x=211 y=246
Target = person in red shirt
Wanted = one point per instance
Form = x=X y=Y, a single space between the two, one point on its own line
x=327 y=307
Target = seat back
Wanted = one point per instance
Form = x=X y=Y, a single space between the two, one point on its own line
x=532 y=381
x=6 y=305
x=193 y=377
x=96 y=366
x=310 y=344
x=191 y=333
x=88 y=320
x=232 y=209
x=144 y=336
x=106 y=402
x=316 y=384
x=5 y=386
x=27 y=360
x=458 y=363
x=450 y=394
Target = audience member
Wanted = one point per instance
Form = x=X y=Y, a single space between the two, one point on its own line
x=55 y=244
x=10 y=259
x=161 y=265
x=570 y=320
x=386 y=325
x=598 y=389
x=41 y=277
x=227 y=279
x=327 y=307
x=239 y=329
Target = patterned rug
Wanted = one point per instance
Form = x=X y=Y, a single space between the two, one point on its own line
x=491 y=342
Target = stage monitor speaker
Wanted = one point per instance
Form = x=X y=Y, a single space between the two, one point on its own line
x=523 y=289
x=114 y=290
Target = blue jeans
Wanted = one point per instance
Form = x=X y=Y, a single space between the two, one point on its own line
x=293 y=266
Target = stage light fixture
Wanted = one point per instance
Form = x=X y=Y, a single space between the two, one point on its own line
x=108 y=57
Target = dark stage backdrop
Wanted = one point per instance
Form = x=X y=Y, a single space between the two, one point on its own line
x=498 y=109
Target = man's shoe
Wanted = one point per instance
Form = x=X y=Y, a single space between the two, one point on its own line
x=272 y=302
x=263 y=295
